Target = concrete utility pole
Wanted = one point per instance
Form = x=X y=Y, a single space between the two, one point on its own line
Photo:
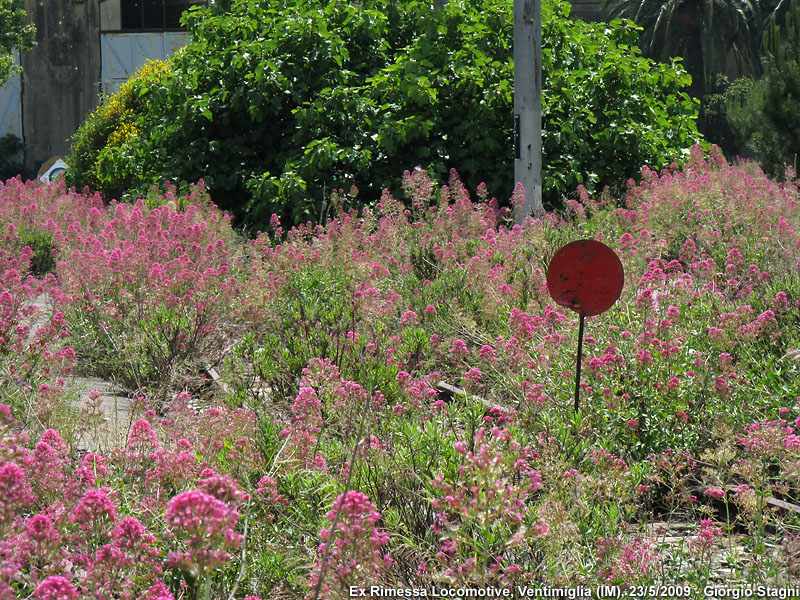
x=528 y=104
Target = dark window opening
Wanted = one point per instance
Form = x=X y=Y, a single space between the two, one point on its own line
x=154 y=14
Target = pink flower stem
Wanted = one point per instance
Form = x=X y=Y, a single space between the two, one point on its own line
x=243 y=561
x=330 y=542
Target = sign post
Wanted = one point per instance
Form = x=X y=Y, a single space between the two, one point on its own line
x=585 y=276
x=528 y=105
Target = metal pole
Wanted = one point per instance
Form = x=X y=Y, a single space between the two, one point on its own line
x=528 y=105
x=578 y=367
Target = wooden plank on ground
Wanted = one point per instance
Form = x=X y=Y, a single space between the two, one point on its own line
x=448 y=391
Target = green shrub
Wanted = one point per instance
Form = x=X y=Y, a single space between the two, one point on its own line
x=725 y=105
x=95 y=144
x=779 y=140
x=275 y=105
x=765 y=113
x=11 y=148
x=41 y=242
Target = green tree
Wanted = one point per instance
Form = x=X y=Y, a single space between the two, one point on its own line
x=704 y=32
x=778 y=141
x=15 y=34
x=274 y=104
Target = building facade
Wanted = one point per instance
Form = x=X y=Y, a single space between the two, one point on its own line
x=84 y=48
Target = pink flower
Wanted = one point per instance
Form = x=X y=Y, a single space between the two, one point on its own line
x=473 y=376
x=354 y=556
x=222 y=487
x=458 y=349
x=632 y=424
x=620 y=562
x=55 y=588
x=206 y=525
x=645 y=300
x=430 y=310
x=40 y=530
x=715 y=493
x=130 y=534
x=93 y=509
x=158 y=591
x=722 y=388
x=487 y=354
x=408 y=318
x=706 y=535
x=780 y=303
x=267 y=488
x=15 y=491
x=142 y=440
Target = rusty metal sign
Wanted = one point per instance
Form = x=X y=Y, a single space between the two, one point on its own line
x=585 y=276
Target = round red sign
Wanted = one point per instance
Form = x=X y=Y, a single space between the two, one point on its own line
x=585 y=276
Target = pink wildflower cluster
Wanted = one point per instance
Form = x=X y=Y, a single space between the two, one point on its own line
x=302 y=432
x=60 y=534
x=217 y=432
x=605 y=459
x=495 y=483
x=120 y=566
x=205 y=525
x=350 y=553
x=33 y=361
x=120 y=264
x=770 y=439
x=705 y=539
x=634 y=561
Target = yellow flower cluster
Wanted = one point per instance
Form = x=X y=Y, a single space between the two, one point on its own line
x=122 y=133
x=113 y=123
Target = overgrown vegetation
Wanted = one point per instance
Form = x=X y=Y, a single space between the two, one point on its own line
x=331 y=458
x=275 y=105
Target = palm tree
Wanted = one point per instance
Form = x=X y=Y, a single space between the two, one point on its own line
x=704 y=32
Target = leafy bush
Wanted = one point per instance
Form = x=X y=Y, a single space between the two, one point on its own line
x=15 y=34
x=275 y=105
x=763 y=114
x=110 y=126
x=727 y=119
x=11 y=149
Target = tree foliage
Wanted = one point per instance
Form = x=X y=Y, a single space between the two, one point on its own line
x=15 y=34
x=780 y=136
x=764 y=113
x=706 y=33
x=275 y=104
